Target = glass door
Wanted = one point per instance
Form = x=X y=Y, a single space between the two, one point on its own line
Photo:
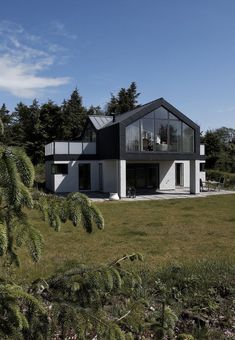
x=84 y=174
x=142 y=176
x=179 y=174
x=100 y=176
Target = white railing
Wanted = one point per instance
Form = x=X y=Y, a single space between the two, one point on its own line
x=70 y=148
x=202 y=149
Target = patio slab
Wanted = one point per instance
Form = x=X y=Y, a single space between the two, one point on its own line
x=160 y=195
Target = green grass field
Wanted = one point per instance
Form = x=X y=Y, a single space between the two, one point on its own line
x=163 y=231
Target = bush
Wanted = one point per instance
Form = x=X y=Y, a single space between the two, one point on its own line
x=216 y=175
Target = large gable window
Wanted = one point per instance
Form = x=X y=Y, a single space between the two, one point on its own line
x=159 y=131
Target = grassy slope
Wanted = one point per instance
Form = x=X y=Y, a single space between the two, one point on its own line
x=163 y=231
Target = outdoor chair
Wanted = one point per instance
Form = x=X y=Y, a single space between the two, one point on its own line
x=131 y=192
x=221 y=183
x=201 y=185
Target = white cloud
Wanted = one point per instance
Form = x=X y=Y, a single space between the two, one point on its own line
x=58 y=28
x=21 y=62
x=227 y=110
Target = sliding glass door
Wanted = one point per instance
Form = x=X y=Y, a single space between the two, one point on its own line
x=142 y=176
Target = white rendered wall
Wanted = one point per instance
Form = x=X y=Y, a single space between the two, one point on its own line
x=110 y=176
x=49 y=176
x=114 y=176
x=194 y=177
x=69 y=182
x=186 y=173
x=166 y=175
x=122 y=178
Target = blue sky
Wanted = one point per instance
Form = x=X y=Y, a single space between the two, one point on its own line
x=181 y=50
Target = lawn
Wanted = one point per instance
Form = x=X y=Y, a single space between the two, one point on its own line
x=163 y=231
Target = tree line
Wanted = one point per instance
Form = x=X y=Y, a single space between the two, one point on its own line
x=33 y=126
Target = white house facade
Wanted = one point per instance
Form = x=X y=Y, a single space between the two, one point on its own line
x=153 y=147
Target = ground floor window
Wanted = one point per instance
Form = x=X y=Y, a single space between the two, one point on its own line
x=84 y=174
x=142 y=176
x=202 y=166
x=59 y=169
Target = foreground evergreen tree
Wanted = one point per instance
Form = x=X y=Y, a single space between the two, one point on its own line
x=16 y=178
x=82 y=299
x=16 y=181
x=23 y=316
x=17 y=310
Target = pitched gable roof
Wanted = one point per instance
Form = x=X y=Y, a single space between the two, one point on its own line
x=99 y=121
x=139 y=112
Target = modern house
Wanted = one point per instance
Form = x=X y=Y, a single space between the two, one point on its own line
x=153 y=147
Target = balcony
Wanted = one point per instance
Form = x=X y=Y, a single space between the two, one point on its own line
x=70 y=148
x=202 y=150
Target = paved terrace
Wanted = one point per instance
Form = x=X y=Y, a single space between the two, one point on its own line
x=160 y=195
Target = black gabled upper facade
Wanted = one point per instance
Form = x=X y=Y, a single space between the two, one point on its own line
x=112 y=143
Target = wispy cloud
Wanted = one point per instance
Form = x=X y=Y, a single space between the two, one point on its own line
x=58 y=28
x=230 y=109
x=22 y=60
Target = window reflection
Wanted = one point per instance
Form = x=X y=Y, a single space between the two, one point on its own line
x=161 y=135
x=90 y=134
x=175 y=136
x=133 y=137
x=188 y=138
x=159 y=131
x=147 y=134
x=161 y=113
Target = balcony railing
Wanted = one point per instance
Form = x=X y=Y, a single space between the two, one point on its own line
x=70 y=148
x=202 y=150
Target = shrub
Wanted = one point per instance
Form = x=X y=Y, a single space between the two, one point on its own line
x=216 y=175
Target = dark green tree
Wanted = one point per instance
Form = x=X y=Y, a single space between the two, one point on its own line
x=74 y=116
x=220 y=149
x=34 y=126
x=34 y=143
x=6 y=119
x=52 y=121
x=28 y=131
x=126 y=100
x=95 y=110
x=20 y=124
